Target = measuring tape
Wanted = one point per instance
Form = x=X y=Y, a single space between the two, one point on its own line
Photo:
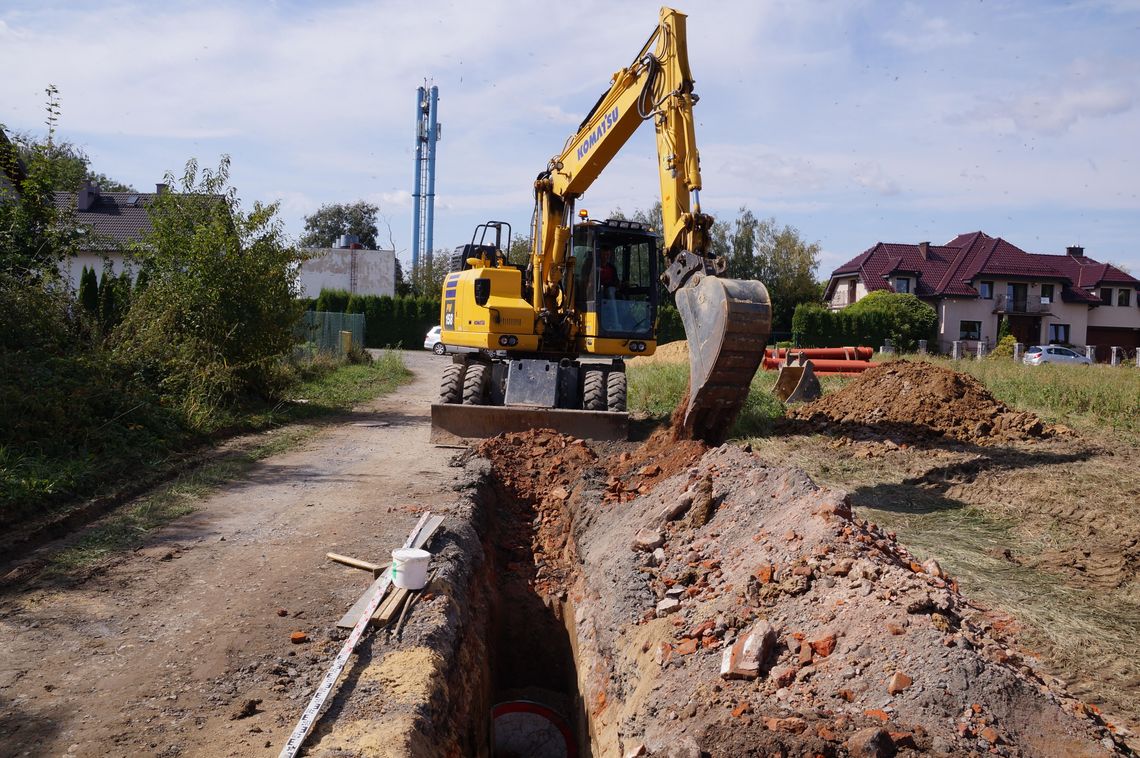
x=313 y=709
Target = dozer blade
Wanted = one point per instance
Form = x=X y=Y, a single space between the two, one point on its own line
x=453 y=424
x=727 y=322
x=797 y=384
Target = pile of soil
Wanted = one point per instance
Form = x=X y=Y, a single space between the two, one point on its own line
x=921 y=399
x=856 y=649
x=671 y=352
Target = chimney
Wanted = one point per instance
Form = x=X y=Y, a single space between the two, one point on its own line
x=1075 y=251
x=88 y=194
x=924 y=249
x=160 y=188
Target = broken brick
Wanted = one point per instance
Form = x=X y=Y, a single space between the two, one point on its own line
x=741 y=709
x=876 y=713
x=898 y=682
x=824 y=645
x=791 y=724
x=870 y=743
x=298 y=637
x=765 y=573
x=742 y=660
x=687 y=646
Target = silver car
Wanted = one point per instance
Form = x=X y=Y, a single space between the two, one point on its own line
x=432 y=343
x=1039 y=354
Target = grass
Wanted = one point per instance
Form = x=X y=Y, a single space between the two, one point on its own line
x=325 y=389
x=656 y=388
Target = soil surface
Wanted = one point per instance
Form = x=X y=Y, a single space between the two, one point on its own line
x=183 y=646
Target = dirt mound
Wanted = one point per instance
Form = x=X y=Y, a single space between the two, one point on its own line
x=922 y=399
x=672 y=352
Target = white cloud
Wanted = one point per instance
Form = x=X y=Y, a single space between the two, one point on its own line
x=928 y=34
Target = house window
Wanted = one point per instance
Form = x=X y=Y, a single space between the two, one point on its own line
x=986 y=290
x=902 y=284
x=851 y=291
x=1058 y=333
x=1106 y=295
x=1046 y=294
x=1123 y=297
x=970 y=330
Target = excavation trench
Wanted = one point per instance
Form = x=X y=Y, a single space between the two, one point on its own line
x=603 y=606
x=537 y=708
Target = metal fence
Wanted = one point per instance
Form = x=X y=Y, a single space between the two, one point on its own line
x=320 y=332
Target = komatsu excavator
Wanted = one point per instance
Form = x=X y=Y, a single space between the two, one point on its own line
x=551 y=334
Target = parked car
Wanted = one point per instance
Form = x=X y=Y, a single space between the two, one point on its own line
x=432 y=343
x=1039 y=354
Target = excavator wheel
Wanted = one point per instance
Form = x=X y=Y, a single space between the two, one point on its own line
x=616 y=391
x=594 y=389
x=474 y=384
x=727 y=322
x=451 y=385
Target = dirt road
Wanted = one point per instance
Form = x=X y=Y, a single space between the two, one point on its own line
x=155 y=654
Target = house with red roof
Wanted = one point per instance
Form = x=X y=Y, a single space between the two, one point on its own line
x=975 y=282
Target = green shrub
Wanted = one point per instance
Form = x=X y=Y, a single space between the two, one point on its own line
x=901 y=318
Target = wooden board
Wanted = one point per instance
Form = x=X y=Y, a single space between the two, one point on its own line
x=349 y=619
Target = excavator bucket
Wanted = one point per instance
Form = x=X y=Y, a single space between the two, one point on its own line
x=727 y=322
x=797 y=384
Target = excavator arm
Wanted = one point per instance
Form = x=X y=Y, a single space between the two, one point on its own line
x=727 y=321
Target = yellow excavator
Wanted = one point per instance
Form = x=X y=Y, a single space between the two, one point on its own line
x=546 y=339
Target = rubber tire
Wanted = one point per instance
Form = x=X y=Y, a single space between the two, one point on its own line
x=451 y=386
x=474 y=384
x=594 y=389
x=616 y=391
x=438 y=348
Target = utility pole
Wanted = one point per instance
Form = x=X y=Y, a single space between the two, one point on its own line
x=423 y=212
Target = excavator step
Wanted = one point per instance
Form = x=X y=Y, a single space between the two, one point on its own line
x=454 y=424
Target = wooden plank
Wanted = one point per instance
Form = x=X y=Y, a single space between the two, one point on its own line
x=390 y=606
x=349 y=619
x=375 y=568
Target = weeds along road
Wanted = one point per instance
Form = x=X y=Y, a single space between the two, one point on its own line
x=155 y=653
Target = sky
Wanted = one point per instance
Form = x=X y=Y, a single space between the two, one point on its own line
x=855 y=122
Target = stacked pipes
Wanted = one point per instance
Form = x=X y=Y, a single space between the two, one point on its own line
x=834 y=361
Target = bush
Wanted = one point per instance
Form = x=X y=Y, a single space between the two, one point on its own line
x=388 y=321
x=218 y=313
x=1004 y=347
x=901 y=318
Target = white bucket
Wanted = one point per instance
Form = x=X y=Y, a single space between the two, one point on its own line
x=410 y=568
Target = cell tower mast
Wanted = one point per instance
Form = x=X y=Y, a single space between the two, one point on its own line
x=427 y=134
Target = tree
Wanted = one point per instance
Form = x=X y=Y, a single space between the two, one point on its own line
x=217 y=315
x=428 y=279
x=89 y=291
x=775 y=255
x=332 y=220
x=67 y=166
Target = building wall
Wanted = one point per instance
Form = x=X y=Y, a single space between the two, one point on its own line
x=1116 y=315
x=839 y=297
x=73 y=268
x=332 y=269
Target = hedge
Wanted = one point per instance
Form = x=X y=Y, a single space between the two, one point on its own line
x=391 y=321
x=388 y=321
x=901 y=318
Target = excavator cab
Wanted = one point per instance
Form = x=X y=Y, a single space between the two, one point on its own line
x=616 y=280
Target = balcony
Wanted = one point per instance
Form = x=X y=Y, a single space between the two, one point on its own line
x=1021 y=305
